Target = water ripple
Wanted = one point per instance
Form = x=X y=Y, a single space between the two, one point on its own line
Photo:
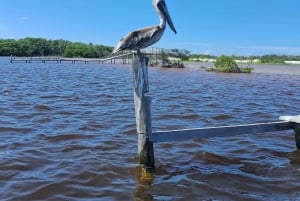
x=68 y=133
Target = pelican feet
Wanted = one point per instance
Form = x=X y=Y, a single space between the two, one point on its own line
x=142 y=57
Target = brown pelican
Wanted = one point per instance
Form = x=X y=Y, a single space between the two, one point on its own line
x=146 y=37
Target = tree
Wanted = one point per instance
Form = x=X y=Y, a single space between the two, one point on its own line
x=8 y=47
x=272 y=58
x=226 y=64
x=41 y=47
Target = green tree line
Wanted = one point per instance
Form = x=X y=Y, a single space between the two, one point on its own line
x=268 y=59
x=42 y=47
x=272 y=58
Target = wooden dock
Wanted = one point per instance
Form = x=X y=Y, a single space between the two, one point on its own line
x=124 y=57
x=69 y=60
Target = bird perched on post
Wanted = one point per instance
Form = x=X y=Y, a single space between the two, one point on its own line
x=146 y=37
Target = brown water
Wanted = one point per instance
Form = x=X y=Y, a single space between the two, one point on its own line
x=67 y=132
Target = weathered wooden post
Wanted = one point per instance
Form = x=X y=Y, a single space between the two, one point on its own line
x=297 y=135
x=142 y=104
x=295 y=120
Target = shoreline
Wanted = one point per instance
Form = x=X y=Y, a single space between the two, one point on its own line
x=292 y=69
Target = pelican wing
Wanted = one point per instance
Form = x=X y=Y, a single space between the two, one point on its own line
x=137 y=39
x=146 y=37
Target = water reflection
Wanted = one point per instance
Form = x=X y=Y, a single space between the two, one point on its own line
x=145 y=178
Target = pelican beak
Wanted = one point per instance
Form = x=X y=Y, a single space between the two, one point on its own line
x=163 y=8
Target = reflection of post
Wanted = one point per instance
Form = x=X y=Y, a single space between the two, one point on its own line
x=144 y=184
x=143 y=111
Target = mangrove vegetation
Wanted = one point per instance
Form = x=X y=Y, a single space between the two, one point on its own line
x=227 y=64
x=29 y=47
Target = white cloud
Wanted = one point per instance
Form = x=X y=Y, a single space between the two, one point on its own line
x=195 y=44
x=200 y=47
x=208 y=52
x=272 y=49
x=24 y=18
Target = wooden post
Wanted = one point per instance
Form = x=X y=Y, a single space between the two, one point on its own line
x=142 y=104
x=297 y=135
x=295 y=120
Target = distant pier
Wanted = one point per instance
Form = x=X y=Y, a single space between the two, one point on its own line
x=125 y=57
x=70 y=60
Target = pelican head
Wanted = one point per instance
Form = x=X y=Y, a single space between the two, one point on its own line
x=162 y=10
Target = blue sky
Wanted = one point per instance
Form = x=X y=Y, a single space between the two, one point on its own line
x=240 y=27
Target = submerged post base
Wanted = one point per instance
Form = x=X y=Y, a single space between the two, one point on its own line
x=146 y=152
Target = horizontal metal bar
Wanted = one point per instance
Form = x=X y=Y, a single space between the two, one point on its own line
x=223 y=131
x=294 y=119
